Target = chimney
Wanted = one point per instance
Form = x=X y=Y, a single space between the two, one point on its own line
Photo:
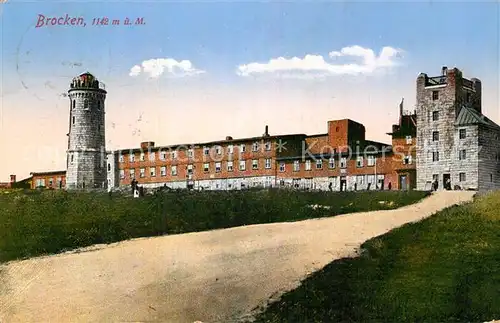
x=266 y=133
x=229 y=138
x=444 y=71
x=147 y=144
x=12 y=178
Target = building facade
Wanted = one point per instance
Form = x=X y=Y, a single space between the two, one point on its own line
x=341 y=159
x=456 y=143
x=86 y=154
x=51 y=180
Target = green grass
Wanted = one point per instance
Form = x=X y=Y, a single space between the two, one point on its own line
x=35 y=223
x=443 y=269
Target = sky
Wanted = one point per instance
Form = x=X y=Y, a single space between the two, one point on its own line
x=197 y=71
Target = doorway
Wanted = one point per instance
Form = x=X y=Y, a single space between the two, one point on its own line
x=343 y=184
x=446 y=182
x=403 y=182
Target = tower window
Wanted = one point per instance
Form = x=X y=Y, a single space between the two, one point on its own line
x=435 y=115
x=73 y=120
x=98 y=105
x=435 y=95
x=74 y=104
x=435 y=136
x=71 y=158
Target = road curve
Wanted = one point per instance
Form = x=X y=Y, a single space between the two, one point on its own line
x=212 y=276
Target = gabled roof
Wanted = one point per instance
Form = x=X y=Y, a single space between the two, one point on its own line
x=470 y=116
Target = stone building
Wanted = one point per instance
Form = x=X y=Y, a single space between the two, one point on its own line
x=455 y=141
x=86 y=154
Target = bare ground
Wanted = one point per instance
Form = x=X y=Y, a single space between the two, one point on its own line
x=213 y=276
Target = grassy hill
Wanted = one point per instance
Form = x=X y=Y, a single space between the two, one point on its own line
x=445 y=268
x=34 y=223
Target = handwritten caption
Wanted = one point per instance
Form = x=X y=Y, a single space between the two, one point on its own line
x=67 y=20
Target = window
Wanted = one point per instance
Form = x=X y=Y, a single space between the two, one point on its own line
x=218 y=150
x=206 y=167
x=229 y=166
x=131 y=158
x=370 y=161
x=132 y=173
x=122 y=173
x=435 y=156
x=142 y=172
x=282 y=167
x=319 y=164
x=255 y=146
x=343 y=162
x=408 y=140
x=142 y=157
x=72 y=157
x=435 y=115
x=268 y=145
x=468 y=96
x=407 y=160
x=173 y=170
x=268 y=163
x=190 y=169
x=242 y=165
x=230 y=149
x=296 y=165
x=435 y=136
x=206 y=151
x=359 y=161
x=255 y=164
x=331 y=162
x=243 y=148
x=190 y=153
x=173 y=154
x=51 y=181
x=152 y=156
x=308 y=165
x=491 y=177
x=435 y=177
x=462 y=133
x=461 y=177
x=109 y=167
x=74 y=104
x=435 y=95
x=73 y=120
x=163 y=155
x=163 y=170
x=360 y=179
x=462 y=154
x=152 y=171
x=120 y=158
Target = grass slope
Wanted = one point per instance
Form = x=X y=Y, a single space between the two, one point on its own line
x=443 y=269
x=34 y=223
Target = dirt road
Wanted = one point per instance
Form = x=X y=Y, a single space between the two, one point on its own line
x=212 y=276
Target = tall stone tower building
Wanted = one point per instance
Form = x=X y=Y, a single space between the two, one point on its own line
x=456 y=143
x=86 y=154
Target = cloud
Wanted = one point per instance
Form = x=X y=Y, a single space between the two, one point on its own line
x=316 y=65
x=155 y=67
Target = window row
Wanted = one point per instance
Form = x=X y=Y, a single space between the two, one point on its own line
x=462 y=134
x=190 y=168
x=190 y=152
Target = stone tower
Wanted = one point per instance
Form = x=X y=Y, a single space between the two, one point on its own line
x=86 y=154
x=440 y=100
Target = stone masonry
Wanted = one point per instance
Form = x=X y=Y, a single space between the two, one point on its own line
x=454 y=139
x=86 y=154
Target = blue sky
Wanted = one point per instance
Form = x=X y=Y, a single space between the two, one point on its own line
x=217 y=38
